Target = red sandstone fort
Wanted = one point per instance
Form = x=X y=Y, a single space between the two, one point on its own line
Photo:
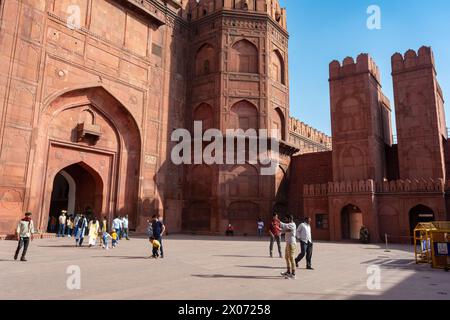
x=87 y=112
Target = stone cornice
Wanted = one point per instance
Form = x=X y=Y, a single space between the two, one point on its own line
x=241 y=14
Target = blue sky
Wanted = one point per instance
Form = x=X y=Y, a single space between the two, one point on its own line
x=325 y=30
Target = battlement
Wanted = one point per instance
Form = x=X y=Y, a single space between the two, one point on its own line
x=364 y=64
x=413 y=185
x=364 y=186
x=304 y=130
x=412 y=60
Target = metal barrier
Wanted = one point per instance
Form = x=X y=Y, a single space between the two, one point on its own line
x=440 y=245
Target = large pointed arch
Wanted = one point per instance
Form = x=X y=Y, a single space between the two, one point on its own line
x=244 y=57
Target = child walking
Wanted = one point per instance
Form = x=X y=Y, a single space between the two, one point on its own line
x=114 y=238
x=155 y=246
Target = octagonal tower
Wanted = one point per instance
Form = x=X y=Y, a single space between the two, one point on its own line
x=237 y=79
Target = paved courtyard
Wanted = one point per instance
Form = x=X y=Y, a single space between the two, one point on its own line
x=214 y=268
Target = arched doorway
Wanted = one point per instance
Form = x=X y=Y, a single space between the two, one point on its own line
x=351 y=222
x=77 y=188
x=88 y=127
x=419 y=214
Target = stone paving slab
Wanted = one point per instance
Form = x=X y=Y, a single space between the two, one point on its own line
x=203 y=268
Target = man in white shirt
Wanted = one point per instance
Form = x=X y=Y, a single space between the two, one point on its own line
x=125 y=227
x=117 y=226
x=62 y=224
x=289 y=230
x=24 y=232
x=306 y=244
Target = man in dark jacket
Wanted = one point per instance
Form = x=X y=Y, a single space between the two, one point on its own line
x=158 y=228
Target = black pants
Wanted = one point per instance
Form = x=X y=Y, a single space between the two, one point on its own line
x=306 y=250
x=278 y=240
x=23 y=242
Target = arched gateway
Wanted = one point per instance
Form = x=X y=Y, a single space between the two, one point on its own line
x=87 y=156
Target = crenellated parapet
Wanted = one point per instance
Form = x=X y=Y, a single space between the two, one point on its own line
x=369 y=186
x=364 y=64
x=412 y=60
x=412 y=185
x=362 y=186
x=304 y=130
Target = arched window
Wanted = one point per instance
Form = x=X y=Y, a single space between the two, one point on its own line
x=279 y=123
x=278 y=70
x=204 y=60
x=244 y=57
x=204 y=114
x=244 y=115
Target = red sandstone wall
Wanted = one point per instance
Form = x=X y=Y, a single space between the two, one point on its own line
x=420 y=118
x=136 y=59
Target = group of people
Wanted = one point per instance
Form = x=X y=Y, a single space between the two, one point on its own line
x=82 y=224
x=292 y=233
x=87 y=224
x=302 y=233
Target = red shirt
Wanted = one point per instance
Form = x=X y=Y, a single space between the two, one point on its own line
x=275 y=228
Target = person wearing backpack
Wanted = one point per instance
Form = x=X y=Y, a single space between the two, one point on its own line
x=24 y=232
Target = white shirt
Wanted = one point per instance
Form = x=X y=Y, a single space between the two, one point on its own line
x=289 y=230
x=62 y=219
x=25 y=229
x=116 y=224
x=125 y=223
x=260 y=225
x=304 y=232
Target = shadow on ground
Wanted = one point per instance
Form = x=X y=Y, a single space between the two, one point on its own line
x=223 y=276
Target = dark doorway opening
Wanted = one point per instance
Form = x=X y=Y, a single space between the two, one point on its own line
x=419 y=214
x=351 y=222
x=76 y=189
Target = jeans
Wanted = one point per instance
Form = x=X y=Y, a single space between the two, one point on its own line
x=306 y=250
x=260 y=233
x=61 y=230
x=278 y=240
x=161 y=248
x=23 y=242
x=125 y=233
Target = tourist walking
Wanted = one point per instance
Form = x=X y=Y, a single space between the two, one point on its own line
x=275 y=235
x=75 y=224
x=125 y=227
x=306 y=244
x=158 y=230
x=52 y=224
x=24 y=233
x=94 y=227
x=260 y=227
x=156 y=245
x=62 y=224
x=81 y=230
x=104 y=230
x=289 y=230
x=114 y=238
x=117 y=225
x=69 y=227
